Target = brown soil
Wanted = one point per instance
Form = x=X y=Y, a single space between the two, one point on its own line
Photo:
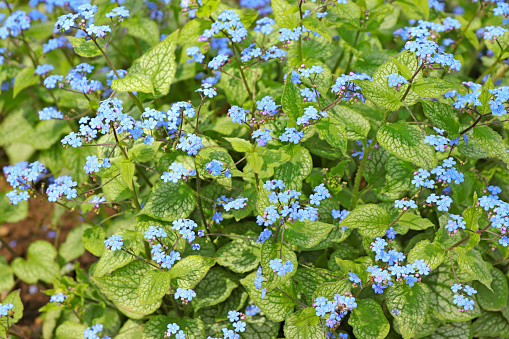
x=36 y=226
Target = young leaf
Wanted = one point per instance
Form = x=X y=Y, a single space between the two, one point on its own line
x=169 y=201
x=190 y=271
x=412 y=304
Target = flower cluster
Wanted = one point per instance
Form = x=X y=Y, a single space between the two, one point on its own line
x=48 y=113
x=215 y=167
x=281 y=268
x=229 y=22
x=310 y=113
x=460 y=300
x=177 y=172
x=93 y=165
x=114 y=243
x=395 y=80
x=91 y=332
x=5 y=308
x=58 y=298
x=173 y=328
x=63 y=185
x=334 y=310
x=185 y=295
x=383 y=277
x=21 y=176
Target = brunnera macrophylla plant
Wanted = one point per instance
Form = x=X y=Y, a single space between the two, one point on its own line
x=298 y=169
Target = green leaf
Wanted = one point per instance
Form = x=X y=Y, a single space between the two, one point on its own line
x=276 y=305
x=368 y=320
x=39 y=265
x=303 y=324
x=47 y=133
x=356 y=126
x=407 y=143
x=379 y=95
x=402 y=68
x=412 y=304
x=279 y=8
x=472 y=262
x=234 y=87
x=496 y=298
x=143 y=28
x=214 y=288
x=306 y=234
x=261 y=328
x=169 y=201
x=290 y=99
x=294 y=171
x=491 y=142
x=140 y=152
x=83 y=47
x=93 y=240
x=256 y=161
x=317 y=26
x=121 y=287
x=158 y=63
x=371 y=220
x=491 y=324
x=130 y=330
x=399 y=175
x=333 y=132
x=111 y=260
x=439 y=282
x=239 y=255
x=127 y=173
x=69 y=329
x=153 y=286
x=432 y=254
x=24 y=79
x=432 y=87
x=349 y=11
x=190 y=271
x=72 y=247
x=330 y=289
x=133 y=83
x=158 y=325
x=443 y=116
x=6 y=275
x=240 y=145
x=191 y=32
x=453 y=330
x=309 y=280
x=271 y=250
x=10 y=212
x=414 y=221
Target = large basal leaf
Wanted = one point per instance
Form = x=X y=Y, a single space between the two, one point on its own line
x=491 y=324
x=121 y=287
x=493 y=300
x=368 y=320
x=169 y=201
x=433 y=87
x=24 y=79
x=239 y=255
x=371 y=220
x=414 y=221
x=214 y=288
x=111 y=260
x=412 y=304
x=330 y=289
x=309 y=280
x=439 y=283
x=153 y=286
x=407 y=143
